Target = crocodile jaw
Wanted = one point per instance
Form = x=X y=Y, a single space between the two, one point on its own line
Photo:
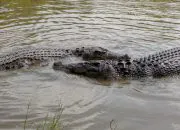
x=89 y=69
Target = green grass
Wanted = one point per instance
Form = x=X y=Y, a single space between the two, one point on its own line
x=49 y=123
x=55 y=123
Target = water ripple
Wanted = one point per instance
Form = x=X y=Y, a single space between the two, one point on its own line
x=134 y=27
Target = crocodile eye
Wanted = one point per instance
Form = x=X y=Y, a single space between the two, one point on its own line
x=77 y=49
x=96 y=63
x=120 y=64
x=128 y=63
x=99 y=52
x=67 y=50
x=80 y=54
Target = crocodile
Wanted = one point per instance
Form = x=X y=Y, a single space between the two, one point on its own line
x=28 y=56
x=164 y=63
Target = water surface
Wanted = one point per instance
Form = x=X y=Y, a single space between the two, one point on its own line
x=136 y=27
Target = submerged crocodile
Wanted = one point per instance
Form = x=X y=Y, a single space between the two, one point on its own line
x=98 y=62
x=24 y=57
x=164 y=63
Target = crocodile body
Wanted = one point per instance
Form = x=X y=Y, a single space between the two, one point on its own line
x=99 y=62
x=30 y=55
x=164 y=63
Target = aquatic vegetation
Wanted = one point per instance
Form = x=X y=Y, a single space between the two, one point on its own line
x=113 y=125
x=49 y=123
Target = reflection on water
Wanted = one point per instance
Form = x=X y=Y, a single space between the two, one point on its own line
x=135 y=27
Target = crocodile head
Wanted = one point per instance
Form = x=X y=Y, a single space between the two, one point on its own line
x=96 y=69
x=96 y=53
x=88 y=69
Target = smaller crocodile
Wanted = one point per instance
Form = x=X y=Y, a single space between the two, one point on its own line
x=28 y=56
x=160 y=64
x=101 y=69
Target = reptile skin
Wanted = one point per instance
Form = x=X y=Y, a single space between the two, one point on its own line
x=160 y=64
x=30 y=55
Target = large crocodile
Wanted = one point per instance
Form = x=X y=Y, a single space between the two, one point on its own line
x=27 y=56
x=102 y=63
x=164 y=63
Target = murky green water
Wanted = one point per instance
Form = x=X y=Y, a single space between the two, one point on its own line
x=136 y=27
